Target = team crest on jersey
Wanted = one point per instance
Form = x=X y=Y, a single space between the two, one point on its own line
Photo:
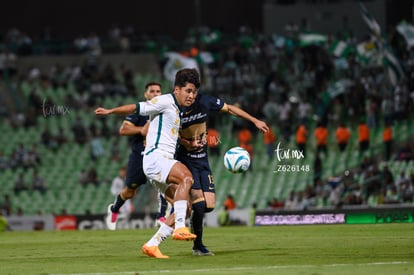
x=154 y=100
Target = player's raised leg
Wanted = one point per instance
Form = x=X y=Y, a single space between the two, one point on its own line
x=180 y=174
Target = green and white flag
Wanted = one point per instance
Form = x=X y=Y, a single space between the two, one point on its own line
x=177 y=62
x=340 y=48
x=390 y=61
x=372 y=24
x=365 y=52
x=394 y=66
x=308 y=39
x=407 y=31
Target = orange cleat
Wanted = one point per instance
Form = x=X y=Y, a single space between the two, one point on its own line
x=183 y=234
x=153 y=251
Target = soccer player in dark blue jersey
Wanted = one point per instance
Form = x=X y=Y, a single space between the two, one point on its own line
x=135 y=126
x=193 y=154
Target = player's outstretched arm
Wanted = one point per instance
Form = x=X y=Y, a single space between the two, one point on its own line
x=129 y=129
x=236 y=111
x=121 y=110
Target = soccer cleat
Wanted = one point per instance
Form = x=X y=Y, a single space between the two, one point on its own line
x=183 y=234
x=111 y=218
x=202 y=251
x=160 y=221
x=153 y=251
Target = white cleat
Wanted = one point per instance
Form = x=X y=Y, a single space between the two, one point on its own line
x=111 y=218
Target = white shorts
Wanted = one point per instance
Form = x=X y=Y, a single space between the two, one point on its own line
x=157 y=166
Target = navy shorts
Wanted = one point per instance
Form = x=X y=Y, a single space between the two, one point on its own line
x=135 y=174
x=203 y=179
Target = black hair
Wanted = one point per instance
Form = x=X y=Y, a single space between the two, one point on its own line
x=151 y=84
x=185 y=76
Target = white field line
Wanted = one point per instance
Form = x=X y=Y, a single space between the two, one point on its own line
x=241 y=268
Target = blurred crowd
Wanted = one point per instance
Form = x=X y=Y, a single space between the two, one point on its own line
x=380 y=186
x=284 y=82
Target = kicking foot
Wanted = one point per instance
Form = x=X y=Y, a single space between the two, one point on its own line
x=153 y=251
x=183 y=234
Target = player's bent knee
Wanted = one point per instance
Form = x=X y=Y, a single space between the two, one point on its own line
x=188 y=180
x=128 y=193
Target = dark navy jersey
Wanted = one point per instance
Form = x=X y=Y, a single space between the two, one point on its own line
x=137 y=141
x=194 y=126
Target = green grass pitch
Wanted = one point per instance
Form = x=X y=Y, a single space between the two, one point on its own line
x=316 y=249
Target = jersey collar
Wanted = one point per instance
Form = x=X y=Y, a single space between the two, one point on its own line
x=176 y=102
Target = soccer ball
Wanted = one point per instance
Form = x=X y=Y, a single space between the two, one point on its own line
x=237 y=160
